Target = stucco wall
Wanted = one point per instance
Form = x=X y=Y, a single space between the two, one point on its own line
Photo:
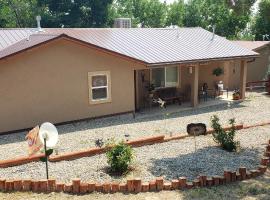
x=205 y=75
x=257 y=69
x=50 y=83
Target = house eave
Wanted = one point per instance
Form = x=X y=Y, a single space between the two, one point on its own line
x=196 y=61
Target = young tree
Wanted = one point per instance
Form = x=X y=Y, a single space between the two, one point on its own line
x=17 y=13
x=74 y=13
x=229 y=18
x=149 y=13
x=176 y=12
x=261 y=26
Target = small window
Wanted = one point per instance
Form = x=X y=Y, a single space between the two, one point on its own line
x=99 y=87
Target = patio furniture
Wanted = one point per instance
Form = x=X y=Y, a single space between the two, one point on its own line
x=205 y=92
x=169 y=95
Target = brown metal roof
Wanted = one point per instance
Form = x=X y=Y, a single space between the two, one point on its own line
x=26 y=43
x=149 y=45
x=252 y=45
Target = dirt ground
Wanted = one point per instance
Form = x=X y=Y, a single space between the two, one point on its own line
x=258 y=188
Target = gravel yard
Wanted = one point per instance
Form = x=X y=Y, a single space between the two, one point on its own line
x=81 y=135
x=170 y=160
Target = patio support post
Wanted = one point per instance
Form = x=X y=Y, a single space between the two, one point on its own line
x=243 y=78
x=194 y=85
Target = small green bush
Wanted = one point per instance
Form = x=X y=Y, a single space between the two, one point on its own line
x=119 y=157
x=224 y=138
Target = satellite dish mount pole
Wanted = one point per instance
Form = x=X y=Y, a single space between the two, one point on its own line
x=46 y=160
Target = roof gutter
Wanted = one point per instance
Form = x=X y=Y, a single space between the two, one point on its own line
x=202 y=60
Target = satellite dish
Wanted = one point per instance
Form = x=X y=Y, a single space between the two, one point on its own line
x=49 y=132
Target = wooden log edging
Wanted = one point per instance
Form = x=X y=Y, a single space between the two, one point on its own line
x=134 y=185
x=94 y=151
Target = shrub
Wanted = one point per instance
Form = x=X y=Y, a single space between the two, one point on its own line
x=224 y=138
x=119 y=157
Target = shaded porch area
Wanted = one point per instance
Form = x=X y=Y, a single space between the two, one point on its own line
x=185 y=86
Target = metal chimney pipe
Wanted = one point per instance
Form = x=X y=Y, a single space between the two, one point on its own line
x=214 y=29
x=38 y=18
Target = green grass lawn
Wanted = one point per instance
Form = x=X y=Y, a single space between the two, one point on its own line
x=258 y=188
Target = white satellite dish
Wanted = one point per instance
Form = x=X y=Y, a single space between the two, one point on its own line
x=49 y=132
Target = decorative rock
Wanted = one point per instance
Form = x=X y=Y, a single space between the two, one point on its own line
x=196 y=183
x=83 y=188
x=106 y=187
x=91 y=187
x=216 y=180
x=159 y=183
x=26 y=185
x=248 y=175
x=267 y=154
x=68 y=188
x=175 y=184
x=254 y=173
x=243 y=173
x=130 y=187
x=51 y=185
x=221 y=180
x=137 y=184
x=167 y=186
x=43 y=184
x=9 y=185
x=123 y=187
x=76 y=185
x=115 y=187
x=145 y=187
x=2 y=184
x=98 y=187
x=238 y=176
x=209 y=181
x=262 y=169
x=59 y=187
x=227 y=176
x=182 y=182
x=17 y=185
x=264 y=161
x=233 y=176
x=202 y=179
x=35 y=186
x=189 y=185
x=152 y=186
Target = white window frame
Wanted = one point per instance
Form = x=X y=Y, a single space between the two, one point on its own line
x=166 y=86
x=99 y=73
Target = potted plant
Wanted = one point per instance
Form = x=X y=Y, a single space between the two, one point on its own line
x=236 y=94
x=218 y=71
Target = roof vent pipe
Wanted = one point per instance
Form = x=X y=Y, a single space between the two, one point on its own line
x=38 y=18
x=214 y=29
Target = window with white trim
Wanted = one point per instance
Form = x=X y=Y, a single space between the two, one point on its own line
x=99 y=87
x=165 y=77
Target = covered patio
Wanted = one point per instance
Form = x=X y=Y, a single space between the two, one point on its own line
x=187 y=85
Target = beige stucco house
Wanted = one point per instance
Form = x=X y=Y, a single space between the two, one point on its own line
x=257 y=68
x=61 y=75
